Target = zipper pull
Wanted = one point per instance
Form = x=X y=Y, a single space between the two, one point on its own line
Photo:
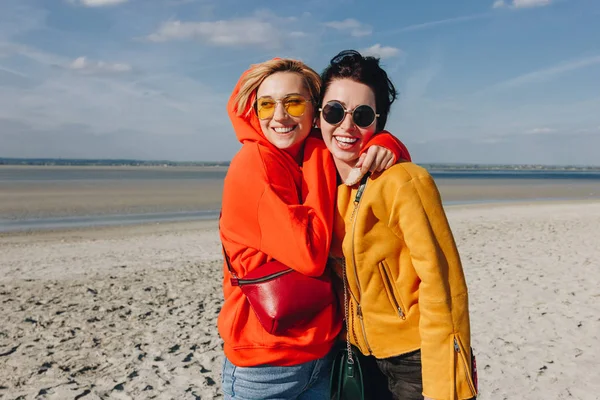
x=401 y=313
x=359 y=311
x=456 y=348
x=361 y=188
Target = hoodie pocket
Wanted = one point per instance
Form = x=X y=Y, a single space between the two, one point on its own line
x=465 y=386
x=389 y=289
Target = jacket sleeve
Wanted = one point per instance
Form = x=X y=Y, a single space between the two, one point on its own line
x=443 y=301
x=297 y=231
x=390 y=142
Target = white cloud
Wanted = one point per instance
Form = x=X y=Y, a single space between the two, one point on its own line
x=108 y=114
x=521 y=3
x=9 y=49
x=12 y=72
x=100 y=3
x=84 y=65
x=537 y=131
x=548 y=73
x=380 y=51
x=434 y=24
x=354 y=27
x=234 y=32
x=530 y=3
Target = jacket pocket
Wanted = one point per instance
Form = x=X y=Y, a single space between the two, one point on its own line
x=465 y=387
x=389 y=289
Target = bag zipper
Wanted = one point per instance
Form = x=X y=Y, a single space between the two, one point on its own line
x=240 y=282
x=467 y=368
x=388 y=283
x=357 y=199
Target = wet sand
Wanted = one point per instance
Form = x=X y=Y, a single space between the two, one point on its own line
x=25 y=200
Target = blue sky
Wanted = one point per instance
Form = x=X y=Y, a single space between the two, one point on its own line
x=480 y=81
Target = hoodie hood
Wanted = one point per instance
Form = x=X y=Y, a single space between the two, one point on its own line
x=247 y=128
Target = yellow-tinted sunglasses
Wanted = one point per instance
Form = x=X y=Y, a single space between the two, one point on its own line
x=293 y=104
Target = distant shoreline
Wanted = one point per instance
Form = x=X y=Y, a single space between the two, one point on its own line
x=223 y=165
x=124 y=167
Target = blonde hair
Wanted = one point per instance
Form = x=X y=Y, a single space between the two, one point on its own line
x=259 y=72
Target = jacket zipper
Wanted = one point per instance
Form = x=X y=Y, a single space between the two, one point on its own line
x=262 y=279
x=391 y=290
x=467 y=368
x=357 y=199
x=355 y=300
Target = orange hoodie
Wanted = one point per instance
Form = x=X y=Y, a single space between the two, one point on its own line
x=273 y=208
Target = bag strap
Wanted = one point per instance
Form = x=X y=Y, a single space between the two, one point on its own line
x=359 y=193
x=350 y=359
x=235 y=280
x=227 y=260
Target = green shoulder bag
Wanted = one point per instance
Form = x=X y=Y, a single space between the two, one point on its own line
x=347 y=377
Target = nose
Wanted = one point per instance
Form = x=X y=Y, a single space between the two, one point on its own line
x=279 y=113
x=347 y=123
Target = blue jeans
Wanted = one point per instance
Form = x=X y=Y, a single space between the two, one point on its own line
x=308 y=381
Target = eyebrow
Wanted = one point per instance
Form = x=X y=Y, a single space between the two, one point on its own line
x=289 y=94
x=338 y=101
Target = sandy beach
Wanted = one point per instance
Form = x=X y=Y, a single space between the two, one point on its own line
x=130 y=312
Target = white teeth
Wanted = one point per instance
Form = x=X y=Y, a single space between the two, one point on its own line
x=344 y=139
x=284 y=130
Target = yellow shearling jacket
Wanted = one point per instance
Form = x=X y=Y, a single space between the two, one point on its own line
x=407 y=289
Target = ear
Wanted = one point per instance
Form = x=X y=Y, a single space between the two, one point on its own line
x=317 y=122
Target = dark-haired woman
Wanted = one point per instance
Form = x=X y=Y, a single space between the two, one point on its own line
x=406 y=295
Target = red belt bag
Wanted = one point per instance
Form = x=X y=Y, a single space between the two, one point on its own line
x=281 y=297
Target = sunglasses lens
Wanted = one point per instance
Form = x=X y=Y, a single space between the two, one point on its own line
x=295 y=105
x=265 y=108
x=363 y=116
x=333 y=113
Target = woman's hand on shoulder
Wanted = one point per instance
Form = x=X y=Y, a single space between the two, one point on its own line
x=376 y=159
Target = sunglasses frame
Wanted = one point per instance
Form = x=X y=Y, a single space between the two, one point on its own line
x=281 y=100
x=346 y=111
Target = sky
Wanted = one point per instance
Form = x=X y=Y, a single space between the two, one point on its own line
x=480 y=81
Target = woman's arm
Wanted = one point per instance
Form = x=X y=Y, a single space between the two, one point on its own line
x=381 y=152
x=443 y=300
x=262 y=209
x=299 y=234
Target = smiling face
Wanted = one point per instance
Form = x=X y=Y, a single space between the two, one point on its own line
x=345 y=140
x=283 y=130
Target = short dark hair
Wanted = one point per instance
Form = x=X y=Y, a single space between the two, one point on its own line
x=352 y=65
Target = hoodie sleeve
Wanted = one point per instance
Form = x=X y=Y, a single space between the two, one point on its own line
x=390 y=142
x=299 y=235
